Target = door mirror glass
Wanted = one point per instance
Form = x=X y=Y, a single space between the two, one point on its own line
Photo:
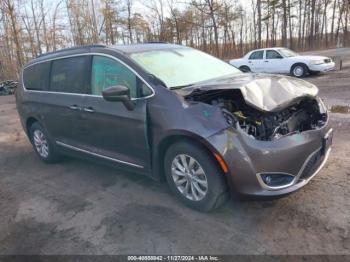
x=118 y=93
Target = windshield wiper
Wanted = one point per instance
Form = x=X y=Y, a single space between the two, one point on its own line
x=179 y=87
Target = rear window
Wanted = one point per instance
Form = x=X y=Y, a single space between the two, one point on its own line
x=257 y=55
x=36 y=77
x=70 y=75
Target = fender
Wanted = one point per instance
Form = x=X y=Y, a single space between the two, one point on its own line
x=167 y=140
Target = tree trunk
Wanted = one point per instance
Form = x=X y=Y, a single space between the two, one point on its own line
x=333 y=19
x=284 y=25
x=11 y=13
x=300 y=23
x=43 y=17
x=129 y=20
x=312 y=25
x=95 y=30
x=258 y=5
x=36 y=27
x=290 y=26
x=215 y=27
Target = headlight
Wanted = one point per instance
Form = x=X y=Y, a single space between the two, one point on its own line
x=317 y=62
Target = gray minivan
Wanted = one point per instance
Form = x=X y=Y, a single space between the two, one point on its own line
x=175 y=113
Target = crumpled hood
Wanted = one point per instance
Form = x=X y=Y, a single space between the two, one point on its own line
x=263 y=91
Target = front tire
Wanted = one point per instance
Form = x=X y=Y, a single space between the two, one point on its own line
x=42 y=145
x=299 y=70
x=194 y=177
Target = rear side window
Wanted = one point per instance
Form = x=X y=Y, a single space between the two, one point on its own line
x=257 y=55
x=36 y=77
x=70 y=75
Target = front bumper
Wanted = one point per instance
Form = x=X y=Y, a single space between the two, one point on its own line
x=299 y=155
x=323 y=67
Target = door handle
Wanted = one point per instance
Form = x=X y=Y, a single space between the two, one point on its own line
x=266 y=61
x=249 y=62
x=89 y=109
x=74 y=107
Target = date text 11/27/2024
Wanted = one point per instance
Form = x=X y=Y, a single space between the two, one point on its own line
x=174 y=258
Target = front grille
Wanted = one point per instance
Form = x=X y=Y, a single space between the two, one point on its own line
x=312 y=165
x=327 y=60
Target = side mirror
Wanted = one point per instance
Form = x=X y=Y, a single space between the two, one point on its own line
x=118 y=94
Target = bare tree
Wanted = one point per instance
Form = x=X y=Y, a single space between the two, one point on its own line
x=225 y=28
x=9 y=9
x=258 y=6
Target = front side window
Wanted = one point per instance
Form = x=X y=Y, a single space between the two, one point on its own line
x=107 y=72
x=257 y=55
x=272 y=54
x=179 y=67
x=35 y=77
x=70 y=75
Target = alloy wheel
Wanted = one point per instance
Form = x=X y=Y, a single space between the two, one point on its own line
x=41 y=144
x=189 y=177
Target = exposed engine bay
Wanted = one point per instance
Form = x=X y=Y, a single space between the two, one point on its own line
x=302 y=115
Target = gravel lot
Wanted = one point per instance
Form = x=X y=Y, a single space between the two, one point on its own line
x=77 y=207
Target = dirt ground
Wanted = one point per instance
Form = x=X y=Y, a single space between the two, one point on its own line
x=78 y=207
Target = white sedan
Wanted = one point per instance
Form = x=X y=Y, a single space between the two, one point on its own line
x=282 y=61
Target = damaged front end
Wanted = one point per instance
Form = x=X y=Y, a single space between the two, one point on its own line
x=305 y=113
x=272 y=132
x=263 y=106
x=279 y=133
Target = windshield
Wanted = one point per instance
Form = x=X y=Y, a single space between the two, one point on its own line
x=182 y=66
x=287 y=52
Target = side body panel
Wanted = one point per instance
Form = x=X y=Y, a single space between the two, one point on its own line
x=273 y=65
x=59 y=113
x=110 y=133
x=112 y=130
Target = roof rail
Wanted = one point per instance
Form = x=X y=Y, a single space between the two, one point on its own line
x=71 y=48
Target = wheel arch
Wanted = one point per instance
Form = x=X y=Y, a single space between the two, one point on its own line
x=245 y=66
x=29 y=122
x=166 y=142
x=299 y=63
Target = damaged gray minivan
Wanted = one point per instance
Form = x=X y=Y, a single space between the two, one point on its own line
x=175 y=113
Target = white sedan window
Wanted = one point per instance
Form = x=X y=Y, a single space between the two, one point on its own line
x=272 y=54
x=257 y=55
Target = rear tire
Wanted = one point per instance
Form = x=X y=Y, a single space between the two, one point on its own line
x=299 y=70
x=194 y=176
x=245 y=69
x=42 y=145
